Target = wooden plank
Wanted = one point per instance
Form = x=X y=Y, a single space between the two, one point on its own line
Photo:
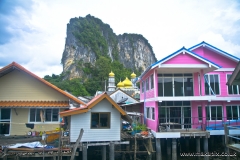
x=76 y=144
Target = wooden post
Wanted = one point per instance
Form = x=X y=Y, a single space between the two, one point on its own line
x=5 y=153
x=59 y=142
x=84 y=151
x=198 y=147
x=158 y=149
x=135 y=148
x=111 y=154
x=76 y=144
x=103 y=152
x=205 y=146
x=174 y=149
x=227 y=140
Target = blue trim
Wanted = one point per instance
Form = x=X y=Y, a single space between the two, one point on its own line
x=204 y=59
x=200 y=44
x=168 y=56
x=182 y=49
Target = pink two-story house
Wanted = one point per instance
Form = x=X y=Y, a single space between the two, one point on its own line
x=187 y=90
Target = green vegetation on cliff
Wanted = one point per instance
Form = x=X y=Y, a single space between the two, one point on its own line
x=96 y=36
x=94 y=79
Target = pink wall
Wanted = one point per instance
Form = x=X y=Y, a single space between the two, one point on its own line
x=195 y=84
x=216 y=58
x=199 y=51
x=153 y=124
x=184 y=59
x=151 y=92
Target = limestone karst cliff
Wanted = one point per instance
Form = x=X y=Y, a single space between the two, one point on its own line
x=88 y=38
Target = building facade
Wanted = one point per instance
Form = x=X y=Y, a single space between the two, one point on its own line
x=188 y=89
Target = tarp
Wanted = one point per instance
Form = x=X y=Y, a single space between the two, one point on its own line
x=28 y=145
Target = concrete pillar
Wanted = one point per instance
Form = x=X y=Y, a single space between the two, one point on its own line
x=104 y=152
x=205 y=147
x=174 y=149
x=84 y=151
x=158 y=149
x=198 y=147
x=111 y=149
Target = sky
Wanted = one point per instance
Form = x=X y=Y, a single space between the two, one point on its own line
x=33 y=32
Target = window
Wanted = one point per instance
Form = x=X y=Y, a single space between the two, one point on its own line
x=100 y=120
x=150 y=113
x=147 y=84
x=214 y=112
x=172 y=85
x=44 y=115
x=232 y=112
x=232 y=89
x=212 y=80
x=5 y=114
x=142 y=86
x=151 y=82
x=199 y=113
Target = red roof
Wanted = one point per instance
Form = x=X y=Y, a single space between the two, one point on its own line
x=91 y=104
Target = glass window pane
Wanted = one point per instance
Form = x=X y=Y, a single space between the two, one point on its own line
x=229 y=112
x=162 y=115
x=95 y=120
x=213 y=113
x=186 y=103
x=38 y=117
x=153 y=114
x=168 y=88
x=206 y=84
x=152 y=83
x=178 y=86
x=169 y=103
x=235 y=90
x=208 y=113
x=5 y=113
x=216 y=85
x=212 y=84
x=48 y=115
x=32 y=115
x=55 y=114
x=178 y=103
x=188 y=86
x=219 y=112
x=200 y=113
x=104 y=120
x=160 y=87
x=235 y=112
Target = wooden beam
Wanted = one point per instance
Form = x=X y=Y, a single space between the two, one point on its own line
x=76 y=144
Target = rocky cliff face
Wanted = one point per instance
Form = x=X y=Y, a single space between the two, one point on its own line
x=88 y=38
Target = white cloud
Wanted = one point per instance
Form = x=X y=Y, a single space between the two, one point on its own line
x=167 y=25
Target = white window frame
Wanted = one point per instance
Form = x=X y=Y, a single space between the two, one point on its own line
x=150 y=113
x=147 y=84
x=210 y=92
x=44 y=120
x=210 y=114
x=6 y=120
x=231 y=85
x=151 y=82
x=238 y=108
